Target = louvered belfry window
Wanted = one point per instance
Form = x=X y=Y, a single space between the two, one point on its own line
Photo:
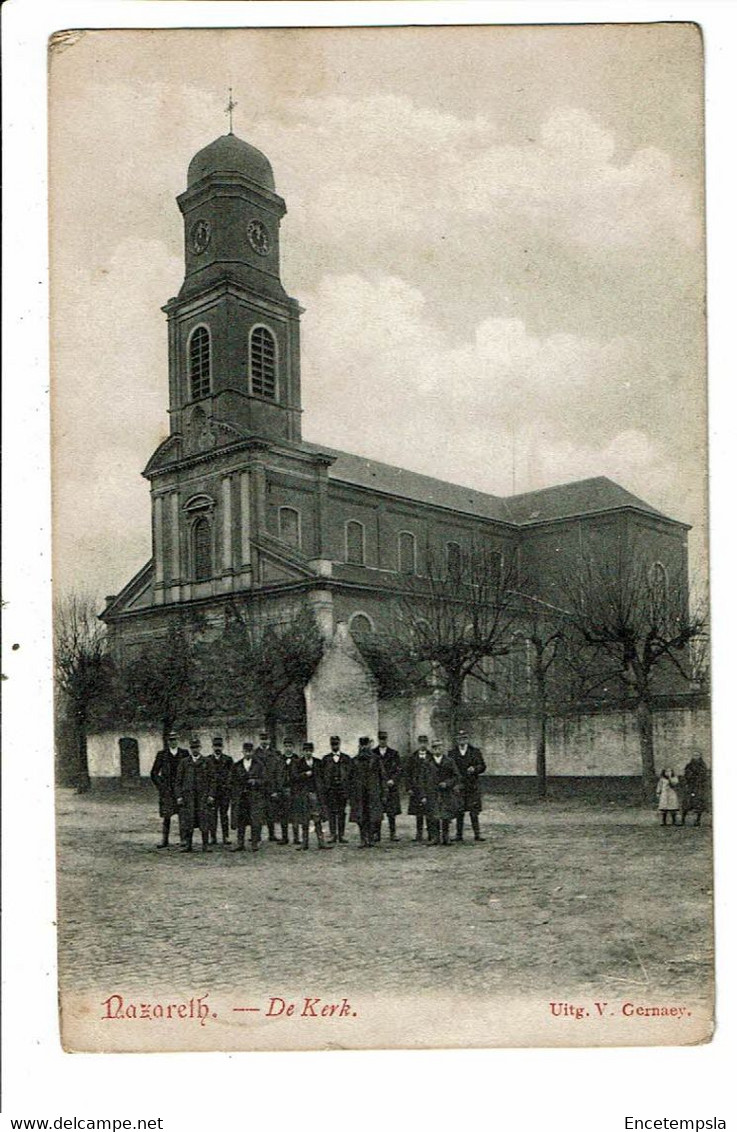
x=199 y=363
x=263 y=363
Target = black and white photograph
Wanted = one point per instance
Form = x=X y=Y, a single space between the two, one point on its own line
x=381 y=633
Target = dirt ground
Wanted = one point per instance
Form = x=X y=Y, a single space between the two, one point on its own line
x=561 y=897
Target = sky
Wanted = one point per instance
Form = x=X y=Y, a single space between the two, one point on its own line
x=496 y=234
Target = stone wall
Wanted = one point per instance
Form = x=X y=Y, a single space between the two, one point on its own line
x=604 y=743
x=341 y=699
x=103 y=747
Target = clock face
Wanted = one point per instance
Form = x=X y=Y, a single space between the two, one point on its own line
x=200 y=235
x=258 y=237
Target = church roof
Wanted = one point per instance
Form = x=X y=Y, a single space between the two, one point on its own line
x=567 y=500
x=562 y=501
x=136 y=594
x=229 y=154
x=362 y=472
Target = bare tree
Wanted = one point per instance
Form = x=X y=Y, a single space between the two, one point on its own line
x=262 y=661
x=163 y=680
x=82 y=666
x=544 y=629
x=701 y=656
x=633 y=621
x=458 y=615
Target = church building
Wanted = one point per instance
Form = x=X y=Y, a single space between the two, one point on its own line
x=243 y=506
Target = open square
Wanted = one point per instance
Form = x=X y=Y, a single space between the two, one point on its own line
x=564 y=902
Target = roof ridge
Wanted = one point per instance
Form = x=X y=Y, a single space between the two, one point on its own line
x=401 y=468
x=605 y=494
x=565 y=483
x=128 y=588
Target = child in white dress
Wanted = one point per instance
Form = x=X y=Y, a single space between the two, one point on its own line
x=667 y=795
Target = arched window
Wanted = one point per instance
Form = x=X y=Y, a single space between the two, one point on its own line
x=354 y=542
x=289 y=526
x=262 y=362
x=202 y=549
x=199 y=363
x=360 y=625
x=453 y=559
x=658 y=577
x=521 y=663
x=496 y=564
x=407 y=553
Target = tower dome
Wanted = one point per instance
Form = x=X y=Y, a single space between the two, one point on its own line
x=228 y=154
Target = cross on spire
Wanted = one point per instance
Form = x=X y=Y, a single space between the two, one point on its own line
x=230 y=108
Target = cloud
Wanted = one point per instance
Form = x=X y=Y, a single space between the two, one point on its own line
x=463 y=284
x=379 y=335
x=404 y=169
x=568 y=183
x=455 y=407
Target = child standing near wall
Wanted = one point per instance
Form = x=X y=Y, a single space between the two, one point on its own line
x=667 y=795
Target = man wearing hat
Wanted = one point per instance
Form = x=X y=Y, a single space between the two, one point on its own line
x=282 y=793
x=248 y=793
x=367 y=792
x=309 y=796
x=222 y=769
x=336 y=778
x=470 y=763
x=164 y=776
x=440 y=786
x=195 y=796
x=392 y=770
x=413 y=768
x=271 y=758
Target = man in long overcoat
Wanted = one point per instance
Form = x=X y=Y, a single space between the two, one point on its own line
x=367 y=792
x=271 y=758
x=222 y=769
x=412 y=770
x=695 y=784
x=440 y=785
x=392 y=772
x=282 y=793
x=309 y=796
x=336 y=780
x=248 y=785
x=164 y=778
x=195 y=797
x=470 y=763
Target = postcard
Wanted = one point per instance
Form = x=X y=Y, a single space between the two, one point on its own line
x=381 y=631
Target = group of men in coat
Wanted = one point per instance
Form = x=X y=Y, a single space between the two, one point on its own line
x=267 y=787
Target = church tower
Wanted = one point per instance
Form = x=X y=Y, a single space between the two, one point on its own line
x=233 y=330
x=237 y=500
